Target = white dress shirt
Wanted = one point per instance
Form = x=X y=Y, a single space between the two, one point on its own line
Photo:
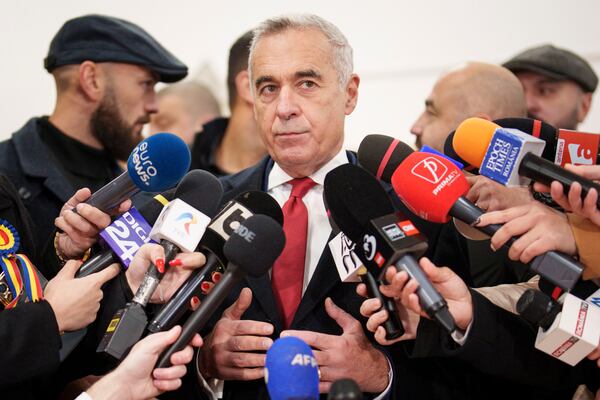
x=318 y=222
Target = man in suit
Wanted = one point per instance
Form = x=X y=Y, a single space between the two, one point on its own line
x=303 y=87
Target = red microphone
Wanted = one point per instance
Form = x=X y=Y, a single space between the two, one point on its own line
x=429 y=185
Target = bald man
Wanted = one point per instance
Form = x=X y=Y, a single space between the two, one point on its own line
x=472 y=90
x=183 y=108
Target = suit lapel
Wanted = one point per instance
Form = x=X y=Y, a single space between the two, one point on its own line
x=252 y=179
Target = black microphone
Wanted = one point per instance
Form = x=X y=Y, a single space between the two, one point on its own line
x=393 y=326
x=123 y=236
x=434 y=189
x=180 y=226
x=155 y=164
x=220 y=229
x=362 y=209
x=344 y=389
x=252 y=249
x=544 y=171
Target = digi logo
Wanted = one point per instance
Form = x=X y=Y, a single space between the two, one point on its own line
x=430 y=169
x=190 y=220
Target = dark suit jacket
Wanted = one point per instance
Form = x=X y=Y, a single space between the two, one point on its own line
x=311 y=314
x=500 y=357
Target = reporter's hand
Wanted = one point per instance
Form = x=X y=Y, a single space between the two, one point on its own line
x=175 y=274
x=372 y=309
x=231 y=350
x=135 y=378
x=75 y=301
x=572 y=201
x=447 y=283
x=595 y=355
x=492 y=196
x=541 y=229
x=80 y=229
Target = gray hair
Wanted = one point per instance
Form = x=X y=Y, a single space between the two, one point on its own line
x=341 y=53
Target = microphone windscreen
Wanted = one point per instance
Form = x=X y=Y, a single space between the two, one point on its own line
x=429 y=185
x=291 y=371
x=261 y=203
x=354 y=198
x=255 y=244
x=201 y=190
x=344 y=389
x=450 y=152
x=536 y=128
x=471 y=139
x=152 y=209
x=158 y=162
x=381 y=155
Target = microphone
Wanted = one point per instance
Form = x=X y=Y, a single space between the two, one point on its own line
x=536 y=128
x=157 y=163
x=544 y=171
x=125 y=235
x=529 y=165
x=363 y=211
x=179 y=227
x=434 y=189
x=220 y=229
x=569 y=330
x=351 y=269
x=291 y=370
x=577 y=148
x=251 y=249
x=345 y=389
x=497 y=151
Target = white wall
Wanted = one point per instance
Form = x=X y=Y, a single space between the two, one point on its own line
x=400 y=46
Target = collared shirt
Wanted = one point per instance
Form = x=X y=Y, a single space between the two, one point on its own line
x=318 y=222
x=83 y=166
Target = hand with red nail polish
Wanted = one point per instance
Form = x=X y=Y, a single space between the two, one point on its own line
x=173 y=278
x=175 y=263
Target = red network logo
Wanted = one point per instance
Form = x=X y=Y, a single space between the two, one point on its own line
x=430 y=169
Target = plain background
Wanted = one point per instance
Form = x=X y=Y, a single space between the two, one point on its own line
x=400 y=47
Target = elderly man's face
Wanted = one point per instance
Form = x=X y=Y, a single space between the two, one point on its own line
x=299 y=105
x=559 y=103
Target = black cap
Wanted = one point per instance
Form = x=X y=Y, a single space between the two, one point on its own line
x=555 y=63
x=101 y=38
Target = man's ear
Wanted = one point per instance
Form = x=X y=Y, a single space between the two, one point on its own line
x=352 y=93
x=242 y=85
x=583 y=108
x=91 y=80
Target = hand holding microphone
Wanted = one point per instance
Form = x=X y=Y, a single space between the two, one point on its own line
x=450 y=286
x=80 y=229
x=573 y=200
x=539 y=229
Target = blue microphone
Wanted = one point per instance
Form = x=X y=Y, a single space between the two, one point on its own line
x=291 y=370
x=155 y=164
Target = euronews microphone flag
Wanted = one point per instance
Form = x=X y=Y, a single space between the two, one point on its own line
x=155 y=164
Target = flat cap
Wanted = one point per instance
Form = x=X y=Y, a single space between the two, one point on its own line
x=555 y=63
x=102 y=38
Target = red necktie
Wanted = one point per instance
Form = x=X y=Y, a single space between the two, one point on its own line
x=288 y=271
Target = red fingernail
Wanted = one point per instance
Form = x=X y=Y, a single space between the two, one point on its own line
x=195 y=300
x=160 y=264
x=175 y=263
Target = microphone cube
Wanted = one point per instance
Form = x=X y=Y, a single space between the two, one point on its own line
x=181 y=224
x=575 y=332
x=504 y=154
